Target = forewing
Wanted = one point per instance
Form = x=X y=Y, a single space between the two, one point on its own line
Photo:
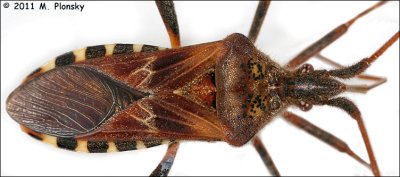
x=161 y=116
x=124 y=94
x=158 y=71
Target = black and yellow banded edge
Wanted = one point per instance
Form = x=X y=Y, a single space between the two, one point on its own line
x=94 y=146
x=91 y=52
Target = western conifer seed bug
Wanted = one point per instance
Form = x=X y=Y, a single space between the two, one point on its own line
x=315 y=107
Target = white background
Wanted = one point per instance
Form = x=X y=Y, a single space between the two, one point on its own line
x=30 y=38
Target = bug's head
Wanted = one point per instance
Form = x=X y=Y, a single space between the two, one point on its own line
x=248 y=92
x=305 y=87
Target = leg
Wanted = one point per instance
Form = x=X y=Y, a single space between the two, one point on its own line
x=348 y=106
x=258 y=19
x=322 y=135
x=166 y=163
x=352 y=110
x=326 y=40
x=355 y=88
x=262 y=151
x=361 y=66
x=167 y=12
x=339 y=66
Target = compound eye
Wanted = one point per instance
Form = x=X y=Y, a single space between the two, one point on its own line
x=275 y=103
x=306 y=68
x=304 y=106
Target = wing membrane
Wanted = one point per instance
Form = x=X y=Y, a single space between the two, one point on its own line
x=67 y=101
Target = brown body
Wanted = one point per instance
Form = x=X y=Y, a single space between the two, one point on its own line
x=219 y=91
x=225 y=90
x=107 y=98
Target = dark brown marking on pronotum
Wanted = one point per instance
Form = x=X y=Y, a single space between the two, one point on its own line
x=123 y=48
x=65 y=59
x=149 y=48
x=67 y=143
x=151 y=143
x=256 y=70
x=95 y=51
x=125 y=145
x=97 y=146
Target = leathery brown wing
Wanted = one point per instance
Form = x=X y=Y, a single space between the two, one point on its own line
x=212 y=91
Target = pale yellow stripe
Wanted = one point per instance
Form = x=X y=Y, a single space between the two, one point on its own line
x=140 y=145
x=109 y=49
x=137 y=47
x=161 y=48
x=48 y=66
x=82 y=146
x=80 y=54
x=50 y=139
x=112 y=147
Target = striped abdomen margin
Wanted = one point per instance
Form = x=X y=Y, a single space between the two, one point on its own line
x=89 y=53
x=94 y=146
